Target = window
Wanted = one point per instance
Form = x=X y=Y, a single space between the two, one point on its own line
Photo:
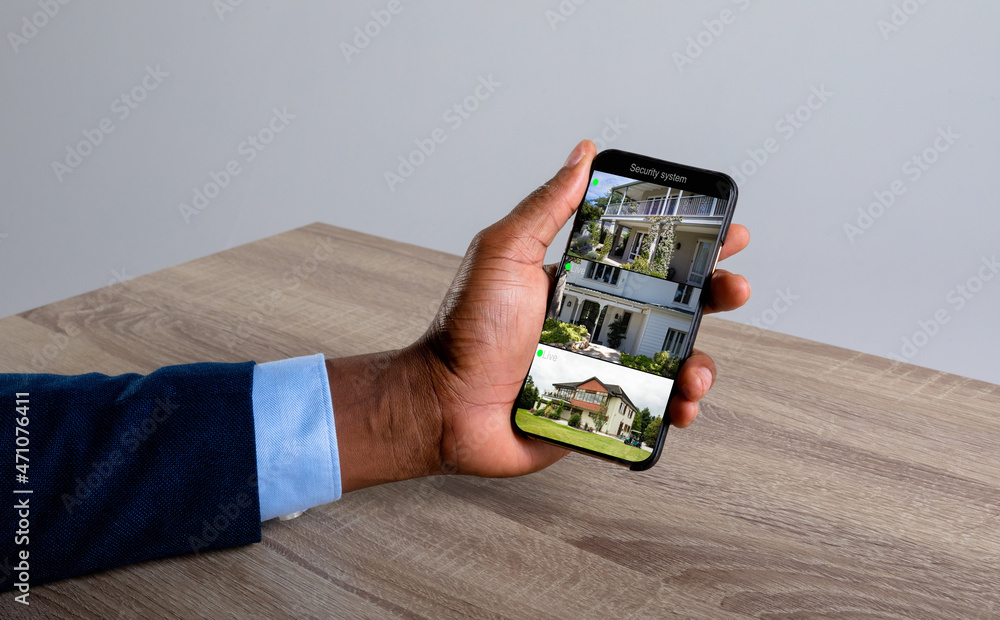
x=683 y=294
x=674 y=341
x=636 y=246
x=699 y=265
x=603 y=273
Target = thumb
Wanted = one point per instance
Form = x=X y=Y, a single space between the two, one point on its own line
x=537 y=219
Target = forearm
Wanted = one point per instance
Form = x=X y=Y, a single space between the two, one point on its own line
x=128 y=468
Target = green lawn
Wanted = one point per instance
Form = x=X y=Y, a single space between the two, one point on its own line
x=592 y=441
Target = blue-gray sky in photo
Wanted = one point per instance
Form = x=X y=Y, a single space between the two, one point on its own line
x=642 y=388
x=605 y=182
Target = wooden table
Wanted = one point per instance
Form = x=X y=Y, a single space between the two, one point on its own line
x=817 y=482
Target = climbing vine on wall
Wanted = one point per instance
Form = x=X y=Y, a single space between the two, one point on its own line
x=662 y=232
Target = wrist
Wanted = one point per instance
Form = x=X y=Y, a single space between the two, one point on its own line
x=387 y=420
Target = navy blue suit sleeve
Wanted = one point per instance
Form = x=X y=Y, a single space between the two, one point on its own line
x=124 y=469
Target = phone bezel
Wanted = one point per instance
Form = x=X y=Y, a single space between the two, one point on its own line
x=610 y=161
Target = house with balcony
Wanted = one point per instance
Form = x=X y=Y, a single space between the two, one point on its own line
x=588 y=396
x=627 y=218
x=656 y=314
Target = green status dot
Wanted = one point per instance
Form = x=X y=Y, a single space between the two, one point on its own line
x=569 y=266
x=595 y=182
x=539 y=353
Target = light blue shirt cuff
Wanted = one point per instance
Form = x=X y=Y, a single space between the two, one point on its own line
x=298 y=465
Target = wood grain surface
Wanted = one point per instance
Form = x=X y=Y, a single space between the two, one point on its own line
x=816 y=483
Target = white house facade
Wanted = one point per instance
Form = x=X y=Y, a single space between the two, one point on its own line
x=695 y=235
x=657 y=313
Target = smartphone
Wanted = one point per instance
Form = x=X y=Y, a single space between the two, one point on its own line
x=626 y=307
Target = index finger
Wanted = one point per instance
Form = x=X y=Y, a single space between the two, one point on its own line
x=736 y=240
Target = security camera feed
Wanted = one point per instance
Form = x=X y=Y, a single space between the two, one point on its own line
x=621 y=316
x=648 y=228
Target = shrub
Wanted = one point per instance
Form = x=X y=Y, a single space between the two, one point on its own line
x=639 y=265
x=616 y=332
x=600 y=418
x=574 y=420
x=639 y=362
x=662 y=363
x=581 y=246
x=592 y=255
x=555 y=414
x=555 y=331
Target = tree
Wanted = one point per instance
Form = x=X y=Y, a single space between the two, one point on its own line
x=574 y=419
x=600 y=418
x=528 y=395
x=652 y=431
x=594 y=228
x=592 y=210
x=641 y=420
x=616 y=331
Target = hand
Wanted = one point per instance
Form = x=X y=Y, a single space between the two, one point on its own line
x=442 y=405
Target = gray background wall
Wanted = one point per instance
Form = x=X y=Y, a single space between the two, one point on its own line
x=897 y=75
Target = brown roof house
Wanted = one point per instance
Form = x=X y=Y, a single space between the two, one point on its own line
x=588 y=396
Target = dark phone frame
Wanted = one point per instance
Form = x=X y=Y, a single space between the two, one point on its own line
x=699 y=180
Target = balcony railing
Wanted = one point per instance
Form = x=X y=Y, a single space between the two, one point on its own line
x=699 y=206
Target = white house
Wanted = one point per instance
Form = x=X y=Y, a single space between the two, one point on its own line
x=695 y=235
x=588 y=396
x=657 y=313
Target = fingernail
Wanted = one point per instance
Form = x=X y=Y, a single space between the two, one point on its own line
x=706 y=379
x=575 y=157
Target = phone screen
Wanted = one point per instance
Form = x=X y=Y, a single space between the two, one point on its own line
x=626 y=306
